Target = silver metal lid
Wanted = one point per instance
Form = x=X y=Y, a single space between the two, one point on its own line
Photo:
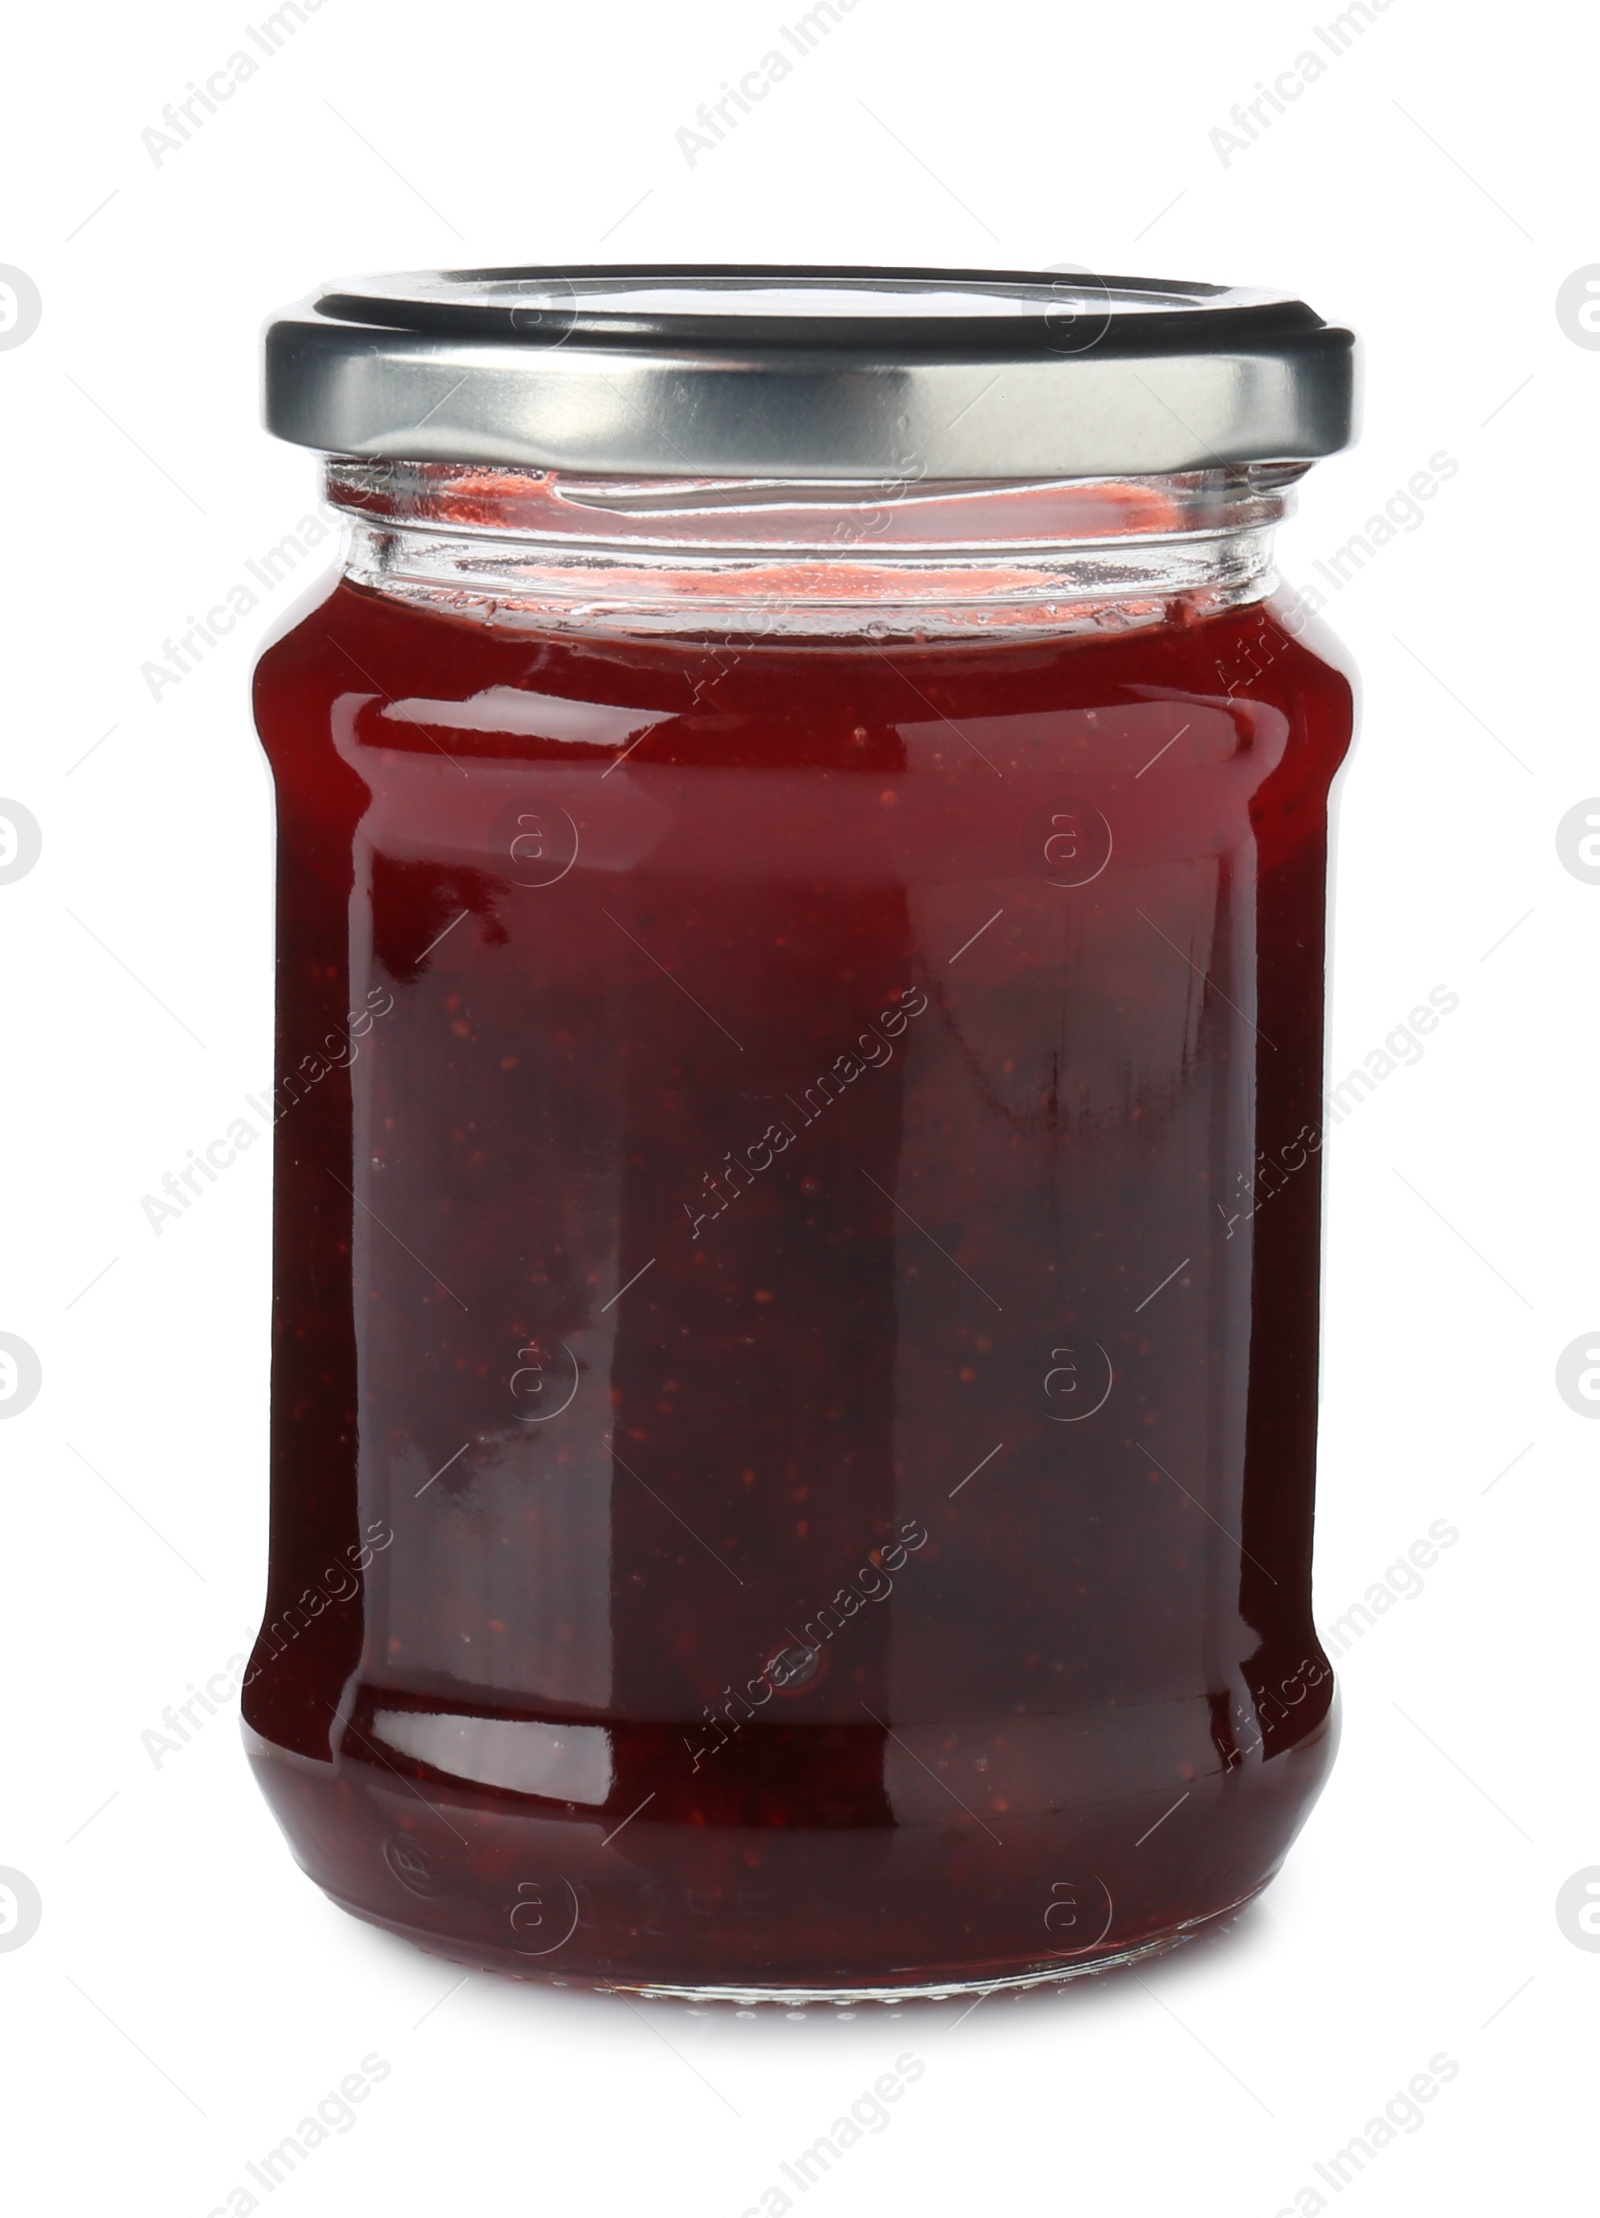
x=715 y=371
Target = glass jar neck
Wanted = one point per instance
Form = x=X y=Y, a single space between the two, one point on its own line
x=791 y=559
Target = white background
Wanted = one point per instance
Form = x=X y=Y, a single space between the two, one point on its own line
x=189 y=1996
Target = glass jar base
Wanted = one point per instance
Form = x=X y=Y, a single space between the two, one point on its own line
x=1053 y=1972
x=786 y=1913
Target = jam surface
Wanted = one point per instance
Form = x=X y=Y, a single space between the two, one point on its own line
x=795 y=1320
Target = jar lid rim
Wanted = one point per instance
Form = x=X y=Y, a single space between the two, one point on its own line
x=826 y=307
x=809 y=370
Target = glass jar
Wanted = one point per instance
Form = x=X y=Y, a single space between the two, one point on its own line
x=800 y=1014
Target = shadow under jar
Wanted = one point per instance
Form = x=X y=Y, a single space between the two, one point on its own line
x=800 y=1008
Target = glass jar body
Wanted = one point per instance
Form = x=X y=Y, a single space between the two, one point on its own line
x=796 y=1284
